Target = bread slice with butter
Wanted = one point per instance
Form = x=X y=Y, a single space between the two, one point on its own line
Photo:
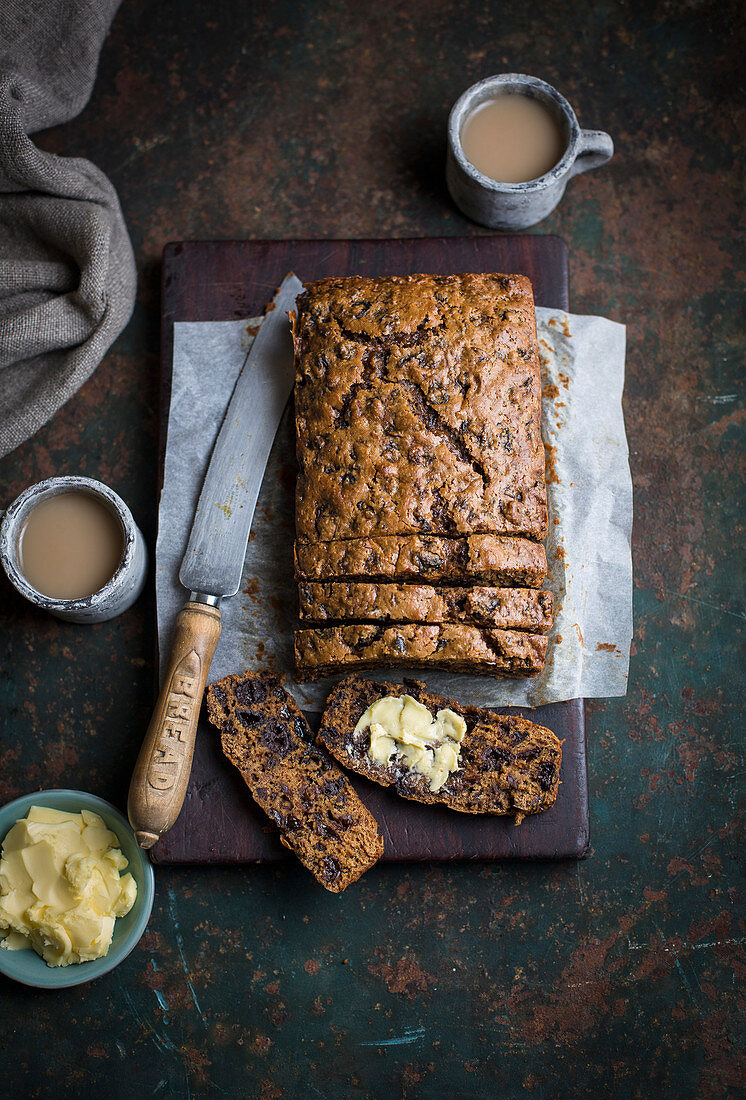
x=437 y=751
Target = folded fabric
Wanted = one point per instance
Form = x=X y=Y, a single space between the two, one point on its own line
x=67 y=273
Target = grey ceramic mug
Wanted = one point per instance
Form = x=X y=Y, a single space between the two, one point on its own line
x=117 y=594
x=519 y=205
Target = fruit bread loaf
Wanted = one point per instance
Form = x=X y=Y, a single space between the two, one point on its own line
x=505 y=608
x=418 y=407
x=494 y=763
x=428 y=559
x=296 y=783
x=328 y=650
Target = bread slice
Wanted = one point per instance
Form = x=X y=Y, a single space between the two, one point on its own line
x=507 y=765
x=297 y=784
x=505 y=608
x=425 y=559
x=329 y=650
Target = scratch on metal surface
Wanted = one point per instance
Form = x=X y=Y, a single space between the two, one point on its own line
x=684 y=980
x=162 y=1042
x=686 y=983
x=180 y=947
x=689 y=946
x=412 y=1035
x=707 y=843
x=705 y=603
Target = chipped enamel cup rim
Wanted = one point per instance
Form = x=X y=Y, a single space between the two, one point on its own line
x=29 y=968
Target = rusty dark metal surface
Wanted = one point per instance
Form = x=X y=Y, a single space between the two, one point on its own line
x=623 y=973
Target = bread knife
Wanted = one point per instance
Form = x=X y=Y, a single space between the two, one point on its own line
x=211 y=568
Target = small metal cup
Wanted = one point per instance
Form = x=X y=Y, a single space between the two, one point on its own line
x=519 y=205
x=117 y=594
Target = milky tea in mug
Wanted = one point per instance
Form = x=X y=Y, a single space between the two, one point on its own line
x=513 y=144
x=512 y=138
x=70 y=546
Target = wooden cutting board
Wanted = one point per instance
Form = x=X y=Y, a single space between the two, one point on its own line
x=228 y=280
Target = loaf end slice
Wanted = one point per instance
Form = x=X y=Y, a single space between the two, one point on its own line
x=447 y=363
x=319 y=814
x=507 y=765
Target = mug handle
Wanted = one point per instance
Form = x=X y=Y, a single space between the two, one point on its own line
x=594 y=149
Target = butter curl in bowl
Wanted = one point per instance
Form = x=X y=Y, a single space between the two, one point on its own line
x=76 y=891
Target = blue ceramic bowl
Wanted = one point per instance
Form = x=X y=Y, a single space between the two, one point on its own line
x=28 y=967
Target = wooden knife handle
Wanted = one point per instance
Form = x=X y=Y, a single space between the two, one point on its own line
x=161 y=774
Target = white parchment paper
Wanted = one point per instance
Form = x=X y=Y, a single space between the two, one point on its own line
x=590 y=518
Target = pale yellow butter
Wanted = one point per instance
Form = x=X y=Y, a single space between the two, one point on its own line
x=60 y=886
x=403 y=728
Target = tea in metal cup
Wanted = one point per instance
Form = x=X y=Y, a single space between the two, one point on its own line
x=128 y=579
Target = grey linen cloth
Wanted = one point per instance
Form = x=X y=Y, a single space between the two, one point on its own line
x=67 y=273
